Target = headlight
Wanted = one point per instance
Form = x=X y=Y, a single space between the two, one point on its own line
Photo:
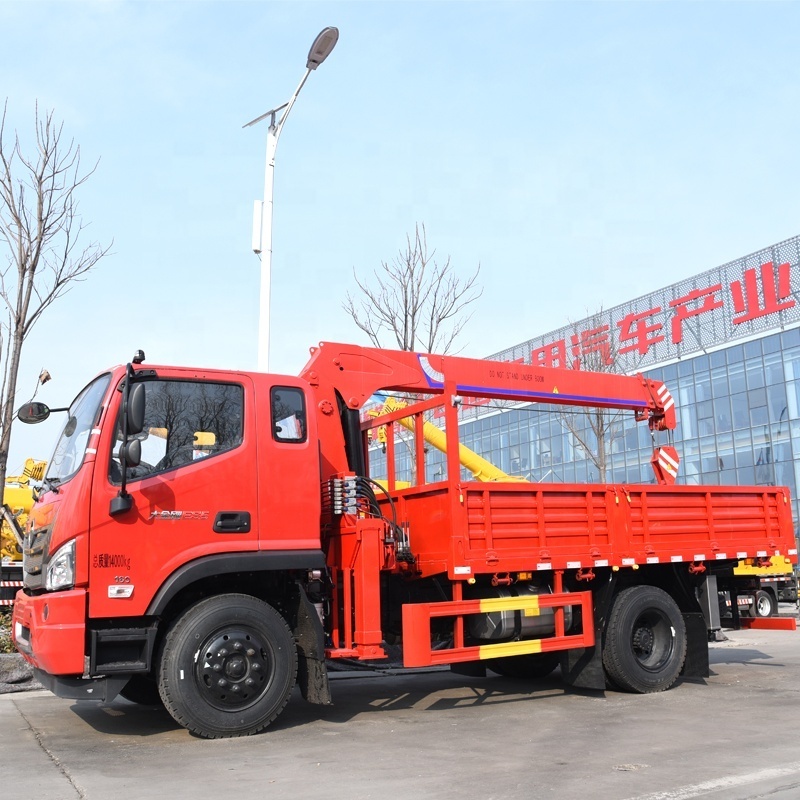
x=61 y=568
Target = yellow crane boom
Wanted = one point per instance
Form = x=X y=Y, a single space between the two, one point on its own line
x=481 y=469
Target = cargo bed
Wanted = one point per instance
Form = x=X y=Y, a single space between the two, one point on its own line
x=508 y=527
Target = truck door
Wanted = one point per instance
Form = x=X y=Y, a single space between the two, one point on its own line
x=194 y=492
x=289 y=473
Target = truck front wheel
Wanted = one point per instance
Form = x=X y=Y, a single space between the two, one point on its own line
x=227 y=666
x=645 y=640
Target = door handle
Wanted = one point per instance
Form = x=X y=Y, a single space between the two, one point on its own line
x=232 y=522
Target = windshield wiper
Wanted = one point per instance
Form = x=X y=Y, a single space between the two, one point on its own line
x=51 y=484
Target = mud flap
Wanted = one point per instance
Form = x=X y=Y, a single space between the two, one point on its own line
x=312 y=674
x=696 y=663
x=583 y=667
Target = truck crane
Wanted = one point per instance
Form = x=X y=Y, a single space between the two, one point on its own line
x=277 y=550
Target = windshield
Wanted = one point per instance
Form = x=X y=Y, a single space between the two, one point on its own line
x=71 y=447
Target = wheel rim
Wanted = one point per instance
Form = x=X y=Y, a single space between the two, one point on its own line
x=763 y=606
x=652 y=640
x=234 y=669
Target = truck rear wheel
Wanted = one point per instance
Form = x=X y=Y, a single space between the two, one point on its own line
x=764 y=604
x=227 y=666
x=645 y=640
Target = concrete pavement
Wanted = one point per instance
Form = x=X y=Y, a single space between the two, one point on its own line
x=432 y=734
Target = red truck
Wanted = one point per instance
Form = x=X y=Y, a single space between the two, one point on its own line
x=211 y=538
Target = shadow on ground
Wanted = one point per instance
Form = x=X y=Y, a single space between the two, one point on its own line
x=354 y=694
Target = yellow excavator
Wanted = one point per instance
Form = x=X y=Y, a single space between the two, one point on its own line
x=18 y=499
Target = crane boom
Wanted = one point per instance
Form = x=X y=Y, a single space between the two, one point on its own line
x=358 y=372
x=347 y=376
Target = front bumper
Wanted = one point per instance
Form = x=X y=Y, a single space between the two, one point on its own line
x=50 y=630
x=102 y=690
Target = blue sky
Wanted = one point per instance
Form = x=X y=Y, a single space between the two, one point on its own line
x=582 y=153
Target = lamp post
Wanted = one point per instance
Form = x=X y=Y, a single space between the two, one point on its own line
x=262 y=210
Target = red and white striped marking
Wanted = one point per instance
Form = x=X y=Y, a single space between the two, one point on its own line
x=667 y=462
x=665 y=397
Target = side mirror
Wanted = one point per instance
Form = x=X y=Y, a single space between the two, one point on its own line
x=130 y=453
x=33 y=413
x=134 y=410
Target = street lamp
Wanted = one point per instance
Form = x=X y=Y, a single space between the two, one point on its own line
x=262 y=210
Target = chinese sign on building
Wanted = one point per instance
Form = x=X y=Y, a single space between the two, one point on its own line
x=747 y=297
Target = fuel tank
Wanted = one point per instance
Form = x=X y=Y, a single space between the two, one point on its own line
x=515 y=624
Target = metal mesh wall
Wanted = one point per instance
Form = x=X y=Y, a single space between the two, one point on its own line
x=746 y=297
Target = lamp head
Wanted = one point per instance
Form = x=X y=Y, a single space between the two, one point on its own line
x=321 y=49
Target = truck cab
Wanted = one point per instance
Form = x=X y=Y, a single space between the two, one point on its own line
x=218 y=494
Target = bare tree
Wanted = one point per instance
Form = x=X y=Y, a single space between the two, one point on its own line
x=416 y=301
x=594 y=430
x=40 y=226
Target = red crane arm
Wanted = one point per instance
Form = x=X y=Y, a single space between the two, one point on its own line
x=358 y=372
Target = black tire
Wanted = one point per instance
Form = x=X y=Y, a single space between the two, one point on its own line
x=531 y=666
x=142 y=689
x=644 y=645
x=227 y=666
x=764 y=604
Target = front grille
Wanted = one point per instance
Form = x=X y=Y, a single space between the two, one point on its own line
x=34 y=553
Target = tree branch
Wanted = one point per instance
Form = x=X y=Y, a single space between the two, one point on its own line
x=414 y=300
x=40 y=227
